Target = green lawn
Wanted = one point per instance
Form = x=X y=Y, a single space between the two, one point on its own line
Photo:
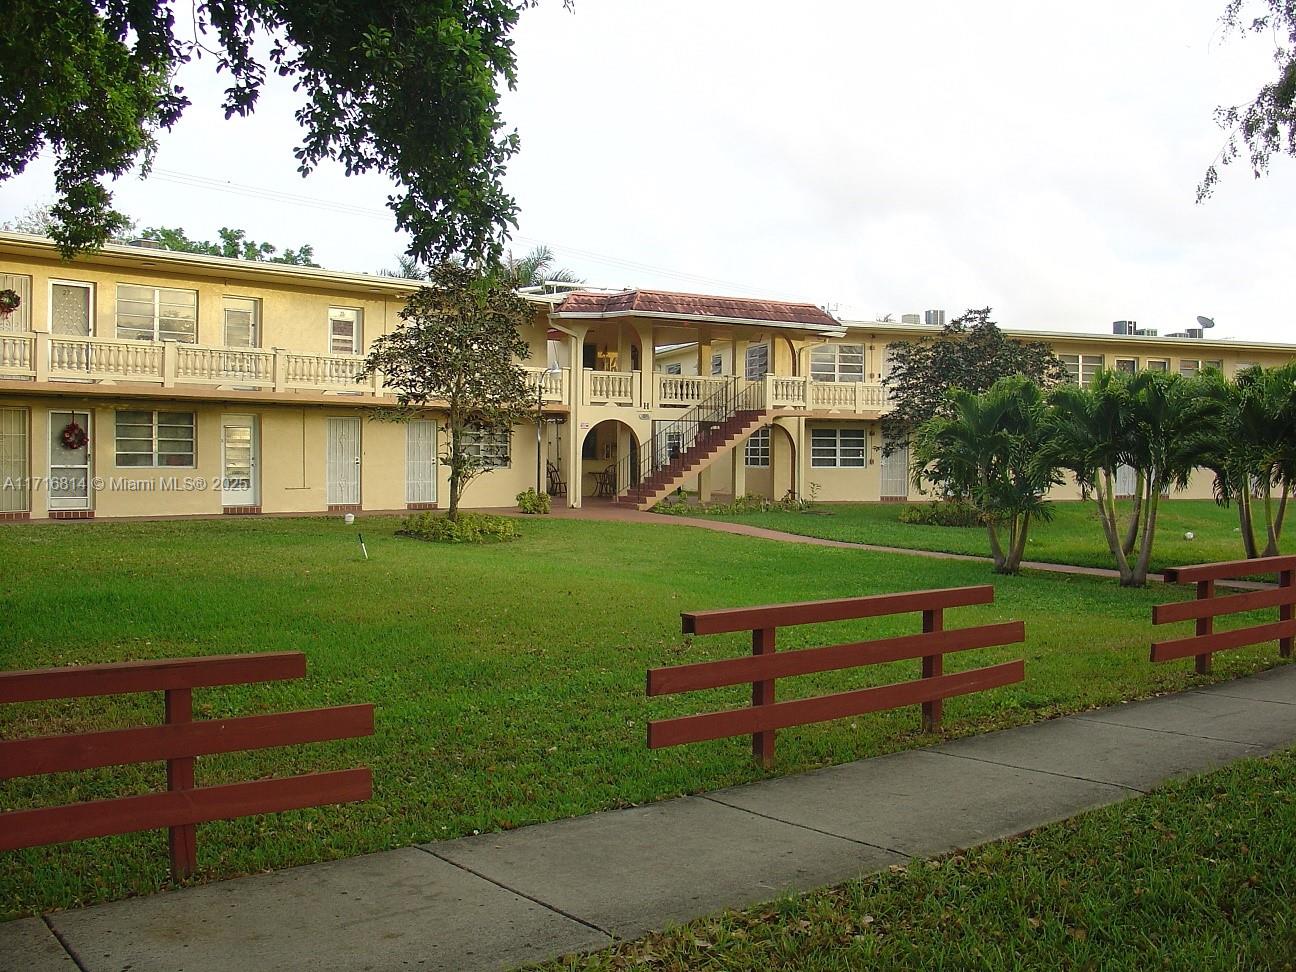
x=1073 y=537
x=509 y=679
x=1191 y=876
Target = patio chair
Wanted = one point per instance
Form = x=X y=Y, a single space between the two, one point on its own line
x=557 y=485
x=605 y=482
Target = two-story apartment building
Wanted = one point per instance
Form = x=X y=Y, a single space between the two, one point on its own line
x=142 y=382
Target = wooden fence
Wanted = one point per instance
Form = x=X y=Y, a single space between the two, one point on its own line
x=1208 y=606
x=765 y=715
x=178 y=741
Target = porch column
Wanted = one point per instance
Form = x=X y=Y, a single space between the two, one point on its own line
x=645 y=331
x=576 y=399
x=704 y=350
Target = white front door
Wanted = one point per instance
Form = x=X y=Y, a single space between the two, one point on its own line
x=14 y=493
x=238 y=460
x=69 y=487
x=343 y=476
x=895 y=474
x=71 y=308
x=420 y=461
x=1126 y=481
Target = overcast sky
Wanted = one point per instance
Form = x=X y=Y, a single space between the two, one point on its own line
x=874 y=158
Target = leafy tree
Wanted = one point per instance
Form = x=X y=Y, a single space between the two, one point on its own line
x=1253 y=453
x=1158 y=424
x=457 y=347
x=40 y=221
x=970 y=353
x=405 y=87
x=988 y=448
x=234 y=243
x=1266 y=124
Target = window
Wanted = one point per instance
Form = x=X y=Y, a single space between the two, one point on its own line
x=13 y=460
x=344 y=330
x=20 y=319
x=717 y=364
x=1242 y=366
x=1188 y=367
x=837 y=447
x=757 y=362
x=758 y=447
x=674 y=369
x=837 y=362
x=155 y=438
x=242 y=322
x=71 y=308
x=1216 y=364
x=1082 y=368
x=1156 y=364
x=1127 y=365
x=157 y=314
x=492 y=447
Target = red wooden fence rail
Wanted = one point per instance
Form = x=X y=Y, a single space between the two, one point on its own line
x=1208 y=607
x=178 y=741
x=765 y=715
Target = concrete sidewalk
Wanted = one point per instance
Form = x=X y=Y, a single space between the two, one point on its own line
x=499 y=900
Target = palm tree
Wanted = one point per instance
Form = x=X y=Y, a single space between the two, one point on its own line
x=536 y=269
x=1158 y=424
x=1254 y=453
x=990 y=450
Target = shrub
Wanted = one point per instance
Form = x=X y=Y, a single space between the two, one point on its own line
x=468 y=528
x=949 y=513
x=533 y=502
x=748 y=503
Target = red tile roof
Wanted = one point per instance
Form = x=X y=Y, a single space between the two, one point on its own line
x=701 y=306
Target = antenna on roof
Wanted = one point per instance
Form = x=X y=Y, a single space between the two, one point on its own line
x=1206 y=322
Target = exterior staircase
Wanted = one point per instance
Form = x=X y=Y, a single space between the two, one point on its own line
x=681 y=449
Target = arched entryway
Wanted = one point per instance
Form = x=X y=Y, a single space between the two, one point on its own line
x=769 y=457
x=609 y=459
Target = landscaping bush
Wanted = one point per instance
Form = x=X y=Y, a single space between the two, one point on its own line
x=533 y=502
x=468 y=528
x=950 y=513
x=748 y=503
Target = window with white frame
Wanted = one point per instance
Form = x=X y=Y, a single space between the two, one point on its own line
x=838 y=447
x=242 y=322
x=837 y=362
x=1082 y=368
x=493 y=447
x=344 y=330
x=1242 y=366
x=1156 y=364
x=717 y=364
x=1127 y=365
x=757 y=452
x=1189 y=367
x=757 y=362
x=155 y=438
x=157 y=314
x=1214 y=364
x=675 y=369
x=19 y=319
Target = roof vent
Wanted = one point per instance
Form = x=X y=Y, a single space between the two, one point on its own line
x=147 y=244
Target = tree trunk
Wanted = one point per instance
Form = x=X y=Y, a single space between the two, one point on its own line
x=1138 y=577
x=1136 y=518
x=1018 y=549
x=456 y=466
x=1273 y=520
x=1107 y=510
x=996 y=548
x=1245 y=523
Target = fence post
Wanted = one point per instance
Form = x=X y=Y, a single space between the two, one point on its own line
x=180 y=776
x=1205 y=626
x=1286 y=579
x=763 y=694
x=932 y=667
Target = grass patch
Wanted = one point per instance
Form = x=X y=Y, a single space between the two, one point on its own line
x=1073 y=537
x=1190 y=877
x=509 y=678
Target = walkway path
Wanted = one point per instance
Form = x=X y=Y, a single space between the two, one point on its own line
x=499 y=900
x=624 y=514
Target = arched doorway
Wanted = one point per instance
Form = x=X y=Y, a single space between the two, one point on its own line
x=769 y=456
x=609 y=459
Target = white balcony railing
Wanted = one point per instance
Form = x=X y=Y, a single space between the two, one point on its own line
x=610 y=387
x=833 y=396
x=553 y=383
x=688 y=389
